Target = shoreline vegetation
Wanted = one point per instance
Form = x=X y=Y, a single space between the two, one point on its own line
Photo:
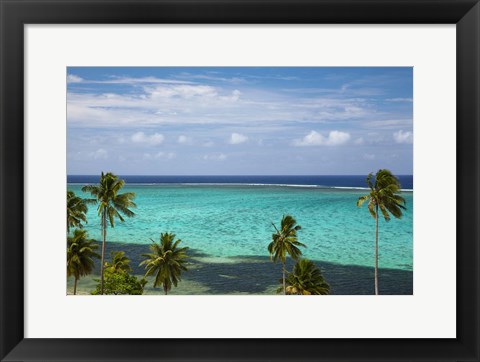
x=250 y=275
x=169 y=266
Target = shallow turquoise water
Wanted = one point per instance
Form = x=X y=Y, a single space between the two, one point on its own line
x=223 y=221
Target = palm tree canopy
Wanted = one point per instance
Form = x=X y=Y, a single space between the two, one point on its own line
x=166 y=261
x=384 y=195
x=80 y=254
x=285 y=240
x=120 y=262
x=106 y=195
x=306 y=279
x=76 y=211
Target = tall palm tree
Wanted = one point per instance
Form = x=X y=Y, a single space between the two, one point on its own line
x=80 y=251
x=76 y=211
x=284 y=242
x=383 y=196
x=111 y=205
x=306 y=279
x=120 y=262
x=166 y=261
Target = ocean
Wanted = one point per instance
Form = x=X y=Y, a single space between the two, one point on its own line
x=228 y=220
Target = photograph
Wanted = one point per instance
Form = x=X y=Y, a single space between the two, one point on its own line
x=239 y=180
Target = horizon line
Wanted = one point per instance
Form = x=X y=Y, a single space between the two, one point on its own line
x=402 y=174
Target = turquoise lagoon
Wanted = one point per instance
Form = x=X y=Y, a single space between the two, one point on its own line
x=228 y=222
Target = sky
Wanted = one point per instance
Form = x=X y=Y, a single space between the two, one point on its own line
x=239 y=121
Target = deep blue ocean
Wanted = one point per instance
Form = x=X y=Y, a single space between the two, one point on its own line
x=355 y=181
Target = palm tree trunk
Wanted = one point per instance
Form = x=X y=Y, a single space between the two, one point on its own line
x=104 y=243
x=376 y=250
x=75 y=286
x=284 y=284
x=165 y=289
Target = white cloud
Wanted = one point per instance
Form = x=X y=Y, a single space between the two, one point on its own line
x=359 y=141
x=334 y=138
x=159 y=155
x=235 y=95
x=399 y=99
x=99 y=154
x=179 y=104
x=182 y=91
x=184 y=140
x=73 y=79
x=215 y=157
x=138 y=137
x=166 y=155
x=237 y=138
x=369 y=156
x=353 y=110
x=388 y=124
x=132 y=80
x=154 y=139
x=403 y=137
x=211 y=77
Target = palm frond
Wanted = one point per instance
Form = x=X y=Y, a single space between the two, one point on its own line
x=166 y=261
x=76 y=211
x=384 y=211
x=362 y=199
x=285 y=241
x=80 y=254
x=371 y=208
x=385 y=193
x=306 y=279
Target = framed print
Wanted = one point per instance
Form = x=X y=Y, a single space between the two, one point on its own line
x=243 y=181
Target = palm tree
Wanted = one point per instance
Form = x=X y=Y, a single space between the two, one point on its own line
x=285 y=241
x=111 y=205
x=166 y=261
x=80 y=251
x=120 y=263
x=383 y=195
x=76 y=211
x=306 y=279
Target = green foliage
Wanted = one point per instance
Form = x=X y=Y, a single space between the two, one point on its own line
x=110 y=202
x=306 y=279
x=111 y=205
x=284 y=241
x=120 y=283
x=80 y=254
x=166 y=261
x=76 y=211
x=384 y=195
x=120 y=262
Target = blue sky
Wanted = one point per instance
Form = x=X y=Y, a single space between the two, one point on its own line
x=239 y=121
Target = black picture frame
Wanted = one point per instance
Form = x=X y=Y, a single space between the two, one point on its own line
x=17 y=13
